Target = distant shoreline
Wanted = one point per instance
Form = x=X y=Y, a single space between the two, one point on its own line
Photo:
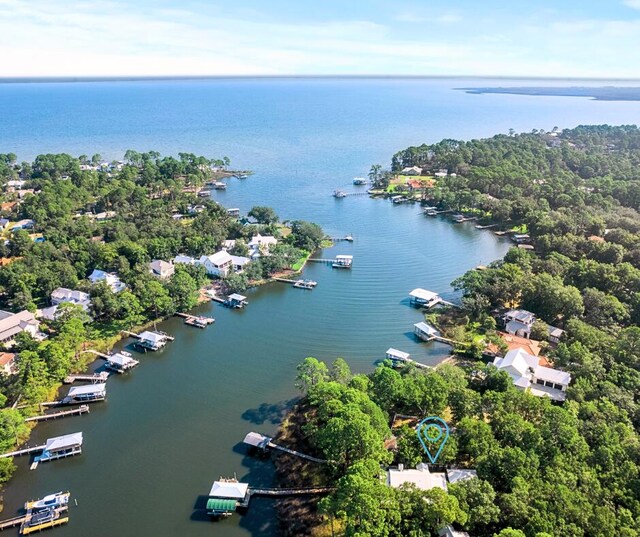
x=72 y=79
x=604 y=93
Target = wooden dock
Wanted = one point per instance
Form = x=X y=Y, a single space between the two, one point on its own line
x=96 y=378
x=398 y=360
x=12 y=522
x=198 y=321
x=83 y=409
x=296 y=453
x=290 y=492
x=24 y=451
x=137 y=336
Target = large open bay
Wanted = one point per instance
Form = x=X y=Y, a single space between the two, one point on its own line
x=176 y=422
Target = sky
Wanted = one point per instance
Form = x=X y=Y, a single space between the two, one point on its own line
x=534 y=38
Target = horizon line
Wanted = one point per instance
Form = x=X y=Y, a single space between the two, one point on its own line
x=149 y=78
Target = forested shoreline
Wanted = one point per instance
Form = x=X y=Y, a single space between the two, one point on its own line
x=64 y=217
x=544 y=469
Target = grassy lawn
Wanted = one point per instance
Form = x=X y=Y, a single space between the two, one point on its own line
x=297 y=266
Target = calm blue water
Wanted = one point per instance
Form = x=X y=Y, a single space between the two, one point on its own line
x=174 y=425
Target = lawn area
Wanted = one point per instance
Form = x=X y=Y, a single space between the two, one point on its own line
x=297 y=266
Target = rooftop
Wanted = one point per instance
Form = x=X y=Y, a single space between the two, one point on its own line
x=229 y=489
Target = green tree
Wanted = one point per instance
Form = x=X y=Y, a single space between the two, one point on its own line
x=311 y=372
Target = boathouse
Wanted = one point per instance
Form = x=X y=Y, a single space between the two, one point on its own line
x=121 y=362
x=231 y=490
x=424 y=331
x=152 y=341
x=86 y=393
x=343 y=261
x=60 y=447
x=257 y=440
x=424 y=298
x=397 y=356
x=236 y=301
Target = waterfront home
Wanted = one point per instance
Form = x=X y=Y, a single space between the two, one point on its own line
x=421 y=477
x=519 y=322
x=121 y=361
x=161 y=269
x=153 y=341
x=8 y=363
x=86 y=393
x=72 y=296
x=110 y=278
x=424 y=331
x=239 y=262
x=411 y=170
x=260 y=245
x=397 y=356
x=183 y=259
x=218 y=264
x=11 y=324
x=23 y=224
x=527 y=374
x=60 y=447
x=424 y=298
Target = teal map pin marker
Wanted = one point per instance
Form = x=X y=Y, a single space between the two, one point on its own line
x=433 y=433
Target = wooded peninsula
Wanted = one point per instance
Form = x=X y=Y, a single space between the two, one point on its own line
x=517 y=464
x=90 y=248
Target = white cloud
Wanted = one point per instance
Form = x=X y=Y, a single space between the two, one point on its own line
x=634 y=4
x=109 y=38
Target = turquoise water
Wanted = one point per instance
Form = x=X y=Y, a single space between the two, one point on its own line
x=175 y=423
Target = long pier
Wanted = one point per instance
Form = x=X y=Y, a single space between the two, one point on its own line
x=290 y=492
x=198 y=321
x=82 y=409
x=296 y=453
x=24 y=451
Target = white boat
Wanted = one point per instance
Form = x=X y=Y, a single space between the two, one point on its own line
x=52 y=500
x=359 y=181
x=339 y=194
x=305 y=284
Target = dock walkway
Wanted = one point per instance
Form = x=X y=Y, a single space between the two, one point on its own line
x=296 y=453
x=24 y=451
x=12 y=522
x=290 y=492
x=83 y=409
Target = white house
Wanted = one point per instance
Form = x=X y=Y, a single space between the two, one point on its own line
x=519 y=322
x=162 y=269
x=239 y=262
x=218 y=264
x=527 y=374
x=183 y=259
x=421 y=477
x=260 y=245
x=110 y=278
x=412 y=170
x=62 y=294
x=11 y=324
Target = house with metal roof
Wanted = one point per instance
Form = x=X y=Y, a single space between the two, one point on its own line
x=60 y=447
x=11 y=324
x=161 y=269
x=421 y=477
x=527 y=374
